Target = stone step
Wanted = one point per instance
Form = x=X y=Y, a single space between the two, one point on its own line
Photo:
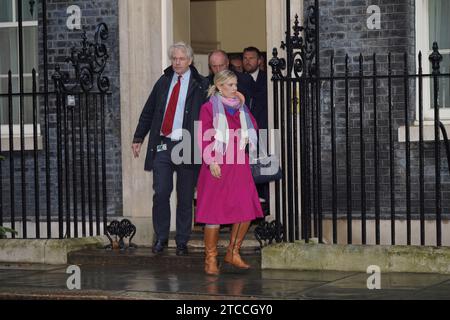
x=143 y=256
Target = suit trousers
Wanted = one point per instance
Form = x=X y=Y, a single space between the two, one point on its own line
x=163 y=170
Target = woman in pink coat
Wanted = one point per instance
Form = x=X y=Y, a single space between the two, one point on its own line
x=226 y=192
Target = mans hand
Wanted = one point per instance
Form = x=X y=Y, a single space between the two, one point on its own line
x=215 y=170
x=136 y=147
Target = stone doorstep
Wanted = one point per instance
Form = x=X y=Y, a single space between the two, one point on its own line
x=56 y=251
x=45 y=251
x=408 y=259
x=143 y=256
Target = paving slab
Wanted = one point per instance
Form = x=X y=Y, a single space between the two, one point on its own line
x=183 y=278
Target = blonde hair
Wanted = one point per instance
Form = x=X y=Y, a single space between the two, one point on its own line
x=219 y=79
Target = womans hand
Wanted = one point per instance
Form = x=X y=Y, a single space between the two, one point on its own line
x=215 y=170
x=240 y=97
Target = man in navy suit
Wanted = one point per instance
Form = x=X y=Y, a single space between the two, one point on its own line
x=236 y=63
x=252 y=59
x=169 y=114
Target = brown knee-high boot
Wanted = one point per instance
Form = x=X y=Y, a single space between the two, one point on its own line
x=211 y=237
x=237 y=237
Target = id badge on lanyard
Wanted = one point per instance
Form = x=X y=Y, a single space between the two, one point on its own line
x=161 y=147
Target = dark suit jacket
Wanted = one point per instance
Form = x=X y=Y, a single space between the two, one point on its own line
x=258 y=105
x=153 y=113
x=245 y=85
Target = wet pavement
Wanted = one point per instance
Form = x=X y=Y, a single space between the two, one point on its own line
x=184 y=279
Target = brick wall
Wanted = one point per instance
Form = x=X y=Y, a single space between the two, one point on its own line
x=343 y=30
x=60 y=41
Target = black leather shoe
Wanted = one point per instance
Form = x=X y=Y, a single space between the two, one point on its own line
x=159 y=245
x=182 y=250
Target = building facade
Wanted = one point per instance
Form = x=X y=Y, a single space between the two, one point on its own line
x=373 y=180
x=140 y=32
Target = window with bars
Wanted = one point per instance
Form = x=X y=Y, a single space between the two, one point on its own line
x=9 y=56
x=432 y=25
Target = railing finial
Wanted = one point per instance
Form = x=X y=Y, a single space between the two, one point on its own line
x=277 y=64
x=32 y=2
x=436 y=59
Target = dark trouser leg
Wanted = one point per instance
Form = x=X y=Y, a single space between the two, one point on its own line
x=185 y=195
x=263 y=192
x=163 y=186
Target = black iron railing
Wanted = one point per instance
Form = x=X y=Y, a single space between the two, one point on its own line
x=447 y=143
x=68 y=144
x=343 y=165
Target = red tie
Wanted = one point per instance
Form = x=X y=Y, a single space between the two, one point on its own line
x=167 y=125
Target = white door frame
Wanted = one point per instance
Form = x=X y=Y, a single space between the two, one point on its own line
x=275 y=33
x=276 y=28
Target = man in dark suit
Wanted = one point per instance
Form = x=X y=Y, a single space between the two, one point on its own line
x=252 y=59
x=169 y=115
x=236 y=63
x=218 y=61
x=258 y=107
